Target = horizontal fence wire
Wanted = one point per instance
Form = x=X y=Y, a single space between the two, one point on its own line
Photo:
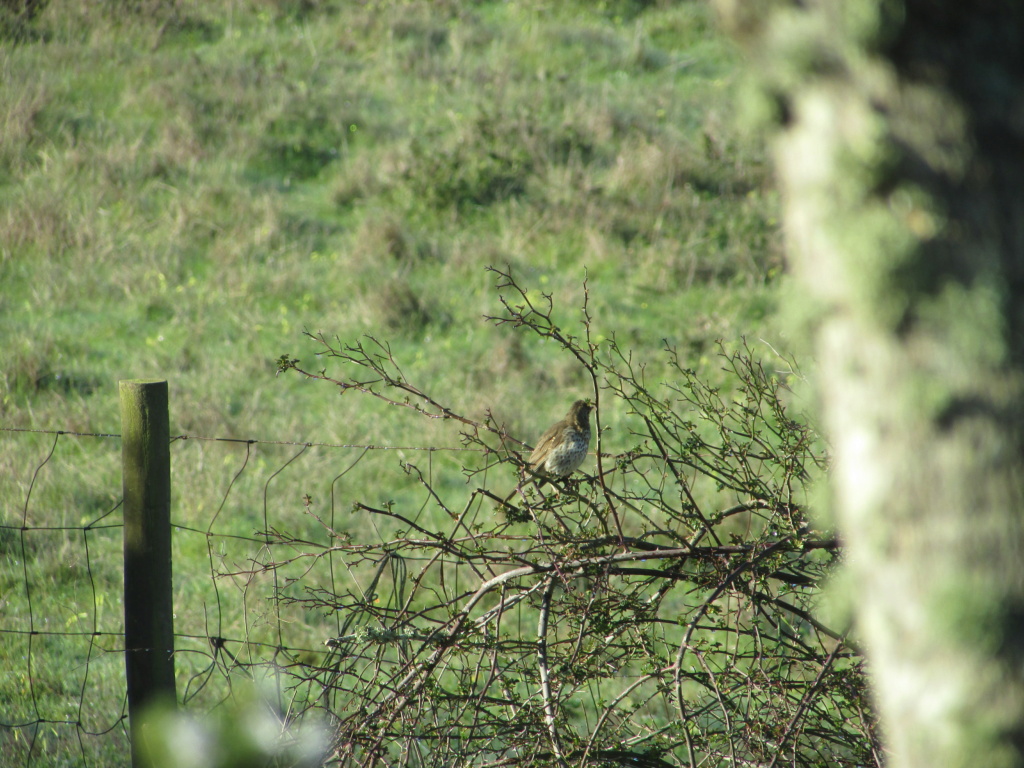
x=239 y=614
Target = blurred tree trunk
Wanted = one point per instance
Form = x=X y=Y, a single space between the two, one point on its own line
x=900 y=153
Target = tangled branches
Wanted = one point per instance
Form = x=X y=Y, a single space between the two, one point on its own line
x=658 y=612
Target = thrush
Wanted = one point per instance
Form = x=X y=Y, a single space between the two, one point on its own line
x=562 y=449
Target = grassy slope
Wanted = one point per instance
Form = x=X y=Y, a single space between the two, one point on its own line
x=185 y=188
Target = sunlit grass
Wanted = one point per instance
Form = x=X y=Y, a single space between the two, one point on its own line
x=185 y=187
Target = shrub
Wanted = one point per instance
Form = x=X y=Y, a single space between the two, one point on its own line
x=658 y=610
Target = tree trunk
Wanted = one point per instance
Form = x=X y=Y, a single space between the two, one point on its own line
x=900 y=152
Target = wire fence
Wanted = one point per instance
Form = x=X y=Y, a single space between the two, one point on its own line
x=659 y=610
x=62 y=672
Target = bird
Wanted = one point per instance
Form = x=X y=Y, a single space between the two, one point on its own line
x=563 y=447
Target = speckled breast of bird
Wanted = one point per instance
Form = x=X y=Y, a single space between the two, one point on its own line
x=566 y=457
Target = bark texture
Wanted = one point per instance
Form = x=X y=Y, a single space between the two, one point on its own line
x=900 y=152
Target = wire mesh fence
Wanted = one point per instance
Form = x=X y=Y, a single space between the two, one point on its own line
x=62 y=622
x=61 y=628
x=660 y=611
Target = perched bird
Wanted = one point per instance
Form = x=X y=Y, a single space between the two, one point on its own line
x=562 y=449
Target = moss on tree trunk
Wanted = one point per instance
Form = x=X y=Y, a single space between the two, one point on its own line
x=900 y=151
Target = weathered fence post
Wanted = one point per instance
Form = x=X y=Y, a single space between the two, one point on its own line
x=148 y=618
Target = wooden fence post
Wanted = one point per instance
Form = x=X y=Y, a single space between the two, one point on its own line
x=148 y=617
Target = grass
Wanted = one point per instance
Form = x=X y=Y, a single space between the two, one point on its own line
x=185 y=187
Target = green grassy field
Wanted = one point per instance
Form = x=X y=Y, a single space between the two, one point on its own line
x=186 y=187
